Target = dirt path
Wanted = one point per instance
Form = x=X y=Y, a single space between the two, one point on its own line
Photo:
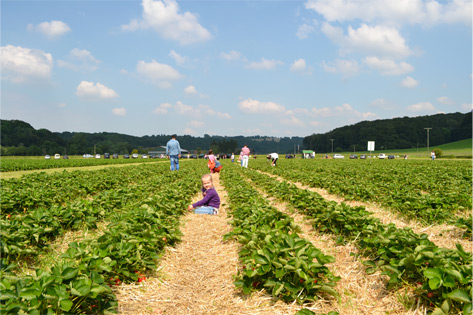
x=443 y=235
x=196 y=277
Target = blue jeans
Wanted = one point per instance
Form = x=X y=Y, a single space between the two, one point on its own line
x=205 y=210
x=174 y=162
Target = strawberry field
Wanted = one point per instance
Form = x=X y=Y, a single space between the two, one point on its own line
x=136 y=214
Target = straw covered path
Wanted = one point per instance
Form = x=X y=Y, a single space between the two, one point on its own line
x=196 y=276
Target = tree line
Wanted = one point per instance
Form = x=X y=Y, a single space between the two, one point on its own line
x=21 y=139
x=396 y=133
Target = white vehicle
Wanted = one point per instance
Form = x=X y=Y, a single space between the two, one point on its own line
x=47 y=157
x=338 y=156
x=86 y=156
x=144 y=156
x=381 y=156
x=57 y=156
x=134 y=155
x=97 y=156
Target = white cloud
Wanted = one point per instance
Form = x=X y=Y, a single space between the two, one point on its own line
x=52 y=30
x=345 y=110
x=381 y=103
x=421 y=107
x=166 y=19
x=95 y=91
x=180 y=60
x=371 y=40
x=207 y=110
x=251 y=106
x=196 y=124
x=292 y=121
x=162 y=109
x=264 y=64
x=304 y=31
x=394 y=12
x=409 y=82
x=232 y=55
x=119 y=111
x=387 y=66
x=300 y=66
x=190 y=90
x=79 y=60
x=445 y=100
x=21 y=64
x=348 y=68
x=158 y=73
x=62 y=105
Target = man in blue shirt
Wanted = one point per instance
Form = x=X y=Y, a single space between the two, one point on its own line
x=173 y=150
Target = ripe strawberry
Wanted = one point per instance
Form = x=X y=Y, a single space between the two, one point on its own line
x=430 y=295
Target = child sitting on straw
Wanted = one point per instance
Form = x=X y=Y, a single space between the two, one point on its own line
x=211 y=201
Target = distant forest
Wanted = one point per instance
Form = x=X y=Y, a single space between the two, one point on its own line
x=20 y=138
x=396 y=133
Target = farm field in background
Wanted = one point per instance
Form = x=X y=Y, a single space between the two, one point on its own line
x=135 y=212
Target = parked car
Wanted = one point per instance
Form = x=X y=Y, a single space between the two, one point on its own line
x=106 y=155
x=144 y=156
x=363 y=156
x=381 y=156
x=115 y=156
x=201 y=156
x=47 y=157
x=193 y=156
x=97 y=156
x=65 y=157
x=86 y=156
x=289 y=156
x=126 y=156
x=134 y=155
x=391 y=157
x=338 y=156
x=353 y=156
x=57 y=156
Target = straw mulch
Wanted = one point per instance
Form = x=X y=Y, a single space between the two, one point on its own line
x=359 y=292
x=443 y=235
x=196 y=277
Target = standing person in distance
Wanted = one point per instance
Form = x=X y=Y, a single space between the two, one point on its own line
x=173 y=150
x=273 y=157
x=233 y=157
x=245 y=155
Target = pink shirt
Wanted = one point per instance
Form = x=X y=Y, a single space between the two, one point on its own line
x=245 y=151
x=212 y=157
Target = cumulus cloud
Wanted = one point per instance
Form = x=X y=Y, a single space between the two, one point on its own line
x=421 y=107
x=304 y=31
x=300 y=66
x=158 y=73
x=162 y=109
x=445 y=100
x=165 y=18
x=79 y=60
x=409 y=82
x=387 y=66
x=196 y=124
x=371 y=40
x=51 y=30
x=21 y=64
x=264 y=64
x=180 y=60
x=119 y=111
x=231 y=55
x=292 y=121
x=347 y=68
x=394 y=12
x=251 y=106
x=190 y=90
x=95 y=91
x=343 y=110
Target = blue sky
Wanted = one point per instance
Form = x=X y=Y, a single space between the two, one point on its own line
x=276 y=68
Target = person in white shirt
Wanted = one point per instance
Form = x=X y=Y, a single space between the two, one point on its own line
x=273 y=157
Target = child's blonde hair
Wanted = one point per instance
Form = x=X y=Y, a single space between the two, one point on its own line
x=207 y=176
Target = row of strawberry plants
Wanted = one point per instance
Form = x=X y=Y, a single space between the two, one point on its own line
x=273 y=256
x=45 y=190
x=130 y=246
x=25 y=235
x=421 y=190
x=9 y=164
x=444 y=275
